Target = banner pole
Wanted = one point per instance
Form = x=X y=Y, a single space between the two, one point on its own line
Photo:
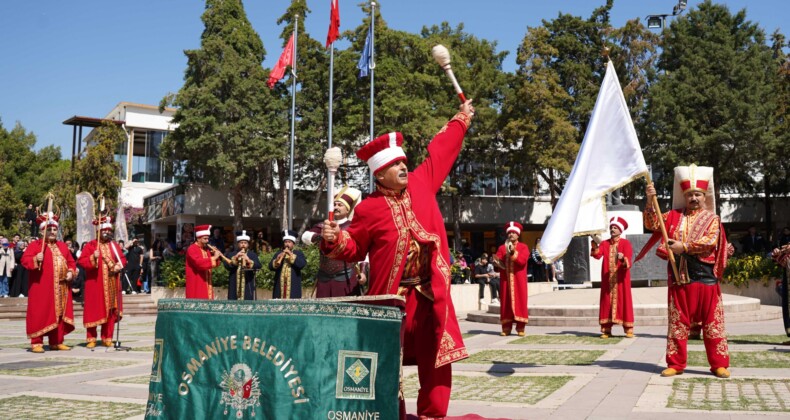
x=657 y=209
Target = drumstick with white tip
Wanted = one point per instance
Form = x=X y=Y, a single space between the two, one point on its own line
x=442 y=56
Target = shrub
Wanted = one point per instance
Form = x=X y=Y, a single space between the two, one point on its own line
x=744 y=269
x=173 y=270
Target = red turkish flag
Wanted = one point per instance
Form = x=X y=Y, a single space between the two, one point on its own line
x=286 y=59
x=334 y=23
x=247 y=389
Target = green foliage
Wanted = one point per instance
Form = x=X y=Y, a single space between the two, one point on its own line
x=27 y=176
x=746 y=269
x=173 y=270
x=714 y=98
x=230 y=127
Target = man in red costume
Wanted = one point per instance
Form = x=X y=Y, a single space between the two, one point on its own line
x=199 y=263
x=103 y=262
x=50 y=270
x=511 y=258
x=696 y=238
x=401 y=228
x=616 y=305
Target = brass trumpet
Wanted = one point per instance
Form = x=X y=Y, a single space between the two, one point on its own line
x=224 y=258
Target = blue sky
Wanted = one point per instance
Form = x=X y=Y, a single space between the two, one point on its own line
x=64 y=58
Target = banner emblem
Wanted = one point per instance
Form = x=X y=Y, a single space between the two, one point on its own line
x=240 y=390
x=356 y=375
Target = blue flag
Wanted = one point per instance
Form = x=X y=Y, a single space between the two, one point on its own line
x=365 y=60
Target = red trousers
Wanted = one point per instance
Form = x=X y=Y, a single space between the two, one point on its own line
x=418 y=335
x=507 y=327
x=106 y=329
x=55 y=335
x=690 y=304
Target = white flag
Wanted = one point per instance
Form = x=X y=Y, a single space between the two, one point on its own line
x=609 y=158
x=86 y=230
x=121 y=234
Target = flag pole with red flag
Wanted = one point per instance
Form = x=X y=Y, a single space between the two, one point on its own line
x=331 y=36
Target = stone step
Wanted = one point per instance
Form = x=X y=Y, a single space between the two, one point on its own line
x=140 y=304
x=763 y=313
x=580 y=308
x=734 y=304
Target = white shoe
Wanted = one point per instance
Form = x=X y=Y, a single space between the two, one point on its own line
x=133 y=292
x=21 y=295
x=482 y=301
x=494 y=301
x=124 y=292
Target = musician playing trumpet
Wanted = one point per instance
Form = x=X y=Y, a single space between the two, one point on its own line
x=287 y=266
x=511 y=259
x=201 y=259
x=241 y=266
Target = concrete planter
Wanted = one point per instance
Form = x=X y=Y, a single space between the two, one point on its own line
x=767 y=294
x=220 y=293
x=464 y=295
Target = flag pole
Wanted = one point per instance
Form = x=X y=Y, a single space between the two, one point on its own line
x=293 y=130
x=372 y=66
x=665 y=236
x=329 y=177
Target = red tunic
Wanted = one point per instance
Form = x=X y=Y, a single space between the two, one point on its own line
x=49 y=295
x=513 y=284
x=616 y=306
x=384 y=224
x=102 y=290
x=198 y=273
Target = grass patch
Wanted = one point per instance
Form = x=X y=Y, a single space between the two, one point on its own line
x=492 y=388
x=757 y=339
x=468 y=335
x=73 y=366
x=746 y=359
x=730 y=394
x=26 y=406
x=148 y=349
x=137 y=380
x=566 y=339
x=535 y=357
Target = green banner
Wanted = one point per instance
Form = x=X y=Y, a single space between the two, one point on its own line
x=276 y=359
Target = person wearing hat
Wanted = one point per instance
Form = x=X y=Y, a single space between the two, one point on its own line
x=51 y=268
x=200 y=260
x=401 y=226
x=7 y=264
x=337 y=278
x=287 y=265
x=700 y=249
x=616 y=305
x=241 y=266
x=103 y=263
x=512 y=258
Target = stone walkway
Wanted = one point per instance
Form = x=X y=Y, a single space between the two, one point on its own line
x=562 y=373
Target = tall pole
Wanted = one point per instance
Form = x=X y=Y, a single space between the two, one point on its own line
x=329 y=176
x=372 y=66
x=293 y=131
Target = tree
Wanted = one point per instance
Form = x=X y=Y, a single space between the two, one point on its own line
x=540 y=135
x=712 y=101
x=228 y=122
x=27 y=175
x=98 y=172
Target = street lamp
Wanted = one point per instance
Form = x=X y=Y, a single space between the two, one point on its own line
x=658 y=21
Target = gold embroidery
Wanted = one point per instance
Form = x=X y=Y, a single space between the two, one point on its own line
x=715 y=329
x=676 y=329
x=447 y=344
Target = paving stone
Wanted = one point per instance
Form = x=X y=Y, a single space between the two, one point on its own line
x=26 y=406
